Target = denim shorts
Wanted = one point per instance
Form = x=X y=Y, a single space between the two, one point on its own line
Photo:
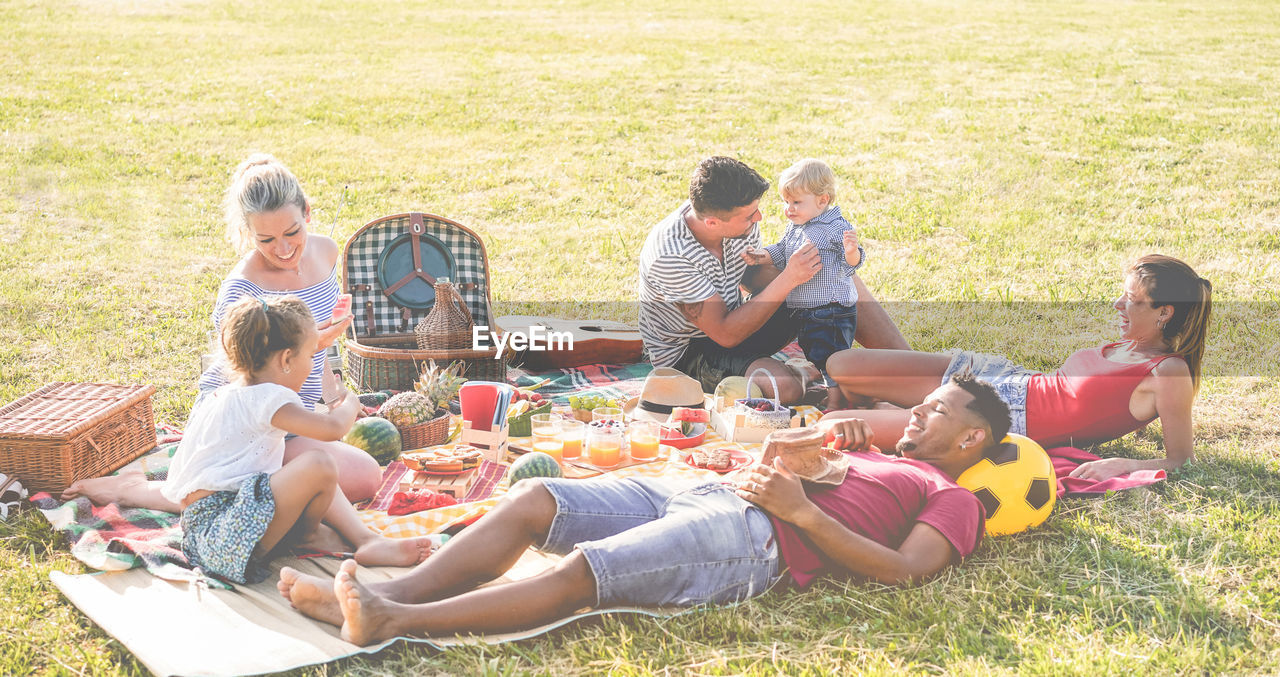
x=656 y=542
x=1009 y=380
x=824 y=331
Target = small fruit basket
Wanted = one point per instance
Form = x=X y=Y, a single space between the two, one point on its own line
x=764 y=413
x=583 y=405
x=422 y=415
x=521 y=424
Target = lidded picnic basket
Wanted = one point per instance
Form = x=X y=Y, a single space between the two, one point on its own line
x=65 y=432
x=390 y=267
x=448 y=326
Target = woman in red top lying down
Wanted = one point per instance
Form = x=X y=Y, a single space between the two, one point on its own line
x=1099 y=394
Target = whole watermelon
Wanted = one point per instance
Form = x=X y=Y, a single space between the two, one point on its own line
x=533 y=464
x=378 y=436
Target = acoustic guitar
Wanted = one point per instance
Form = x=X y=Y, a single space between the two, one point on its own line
x=594 y=341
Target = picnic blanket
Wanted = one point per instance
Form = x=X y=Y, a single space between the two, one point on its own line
x=620 y=381
x=266 y=635
x=111 y=538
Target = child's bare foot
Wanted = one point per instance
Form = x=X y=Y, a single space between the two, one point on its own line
x=393 y=552
x=104 y=490
x=311 y=595
x=364 y=615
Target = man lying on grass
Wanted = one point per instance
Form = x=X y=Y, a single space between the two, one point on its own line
x=655 y=542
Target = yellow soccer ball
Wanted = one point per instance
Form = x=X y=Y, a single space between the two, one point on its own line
x=1017 y=485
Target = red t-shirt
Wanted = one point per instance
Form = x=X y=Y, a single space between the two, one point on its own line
x=882 y=498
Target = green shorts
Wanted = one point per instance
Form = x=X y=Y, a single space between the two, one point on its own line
x=710 y=363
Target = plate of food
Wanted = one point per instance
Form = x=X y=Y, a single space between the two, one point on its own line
x=445 y=460
x=722 y=460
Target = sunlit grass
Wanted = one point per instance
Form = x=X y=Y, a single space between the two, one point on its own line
x=1003 y=162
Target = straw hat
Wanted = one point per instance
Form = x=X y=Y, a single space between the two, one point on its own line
x=665 y=389
x=802 y=452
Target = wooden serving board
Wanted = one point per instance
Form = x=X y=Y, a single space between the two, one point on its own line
x=454 y=485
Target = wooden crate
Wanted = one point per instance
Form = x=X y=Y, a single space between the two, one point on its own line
x=65 y=432
x=453 y=485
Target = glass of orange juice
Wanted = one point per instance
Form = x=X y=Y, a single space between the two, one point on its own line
x=604 y=444
x=546 y=435
x=644 y=440
x=571 y=432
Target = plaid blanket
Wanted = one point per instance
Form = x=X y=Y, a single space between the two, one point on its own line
x=111 y=538
x=620 y=381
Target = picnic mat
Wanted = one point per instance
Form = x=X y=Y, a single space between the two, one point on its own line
x=252 y=629
x=138 y=608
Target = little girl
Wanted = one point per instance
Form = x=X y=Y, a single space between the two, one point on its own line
x=238 y=501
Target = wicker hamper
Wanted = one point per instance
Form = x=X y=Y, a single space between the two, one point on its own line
x=390 y=267
x=394 y=363
x=65 y=432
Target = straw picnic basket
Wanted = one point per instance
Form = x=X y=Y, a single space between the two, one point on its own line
x=65 y=432
x=390 y=267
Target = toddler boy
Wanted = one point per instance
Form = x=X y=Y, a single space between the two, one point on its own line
x=826 y=305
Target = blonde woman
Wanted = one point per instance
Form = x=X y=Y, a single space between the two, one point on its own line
x=267 y=218
x=1099 y=394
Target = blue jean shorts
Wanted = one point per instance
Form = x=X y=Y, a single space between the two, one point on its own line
x=655 y=542
x=1009 y=380
x=824 y=331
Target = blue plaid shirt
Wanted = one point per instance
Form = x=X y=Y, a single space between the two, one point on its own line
x=832 y=284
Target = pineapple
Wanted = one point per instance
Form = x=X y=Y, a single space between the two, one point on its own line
x=439 y=386
x=406 y=409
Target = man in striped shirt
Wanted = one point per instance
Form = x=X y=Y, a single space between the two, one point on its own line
x=693 y=316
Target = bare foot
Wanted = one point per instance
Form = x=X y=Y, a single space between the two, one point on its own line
x=393 y=552
x=104 y=490
x=311 y=595
x=325 y=539
x=364 y=617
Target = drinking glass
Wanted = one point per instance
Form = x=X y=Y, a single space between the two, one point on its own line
x=546 y=435
x=644 y=440
x=604 y=444
x=571 y=433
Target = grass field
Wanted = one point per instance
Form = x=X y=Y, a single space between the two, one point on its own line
x=1004 y=161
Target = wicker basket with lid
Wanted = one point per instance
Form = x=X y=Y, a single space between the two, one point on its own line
x=65 y=432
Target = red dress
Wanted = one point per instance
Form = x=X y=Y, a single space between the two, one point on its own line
x=1086 y=400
